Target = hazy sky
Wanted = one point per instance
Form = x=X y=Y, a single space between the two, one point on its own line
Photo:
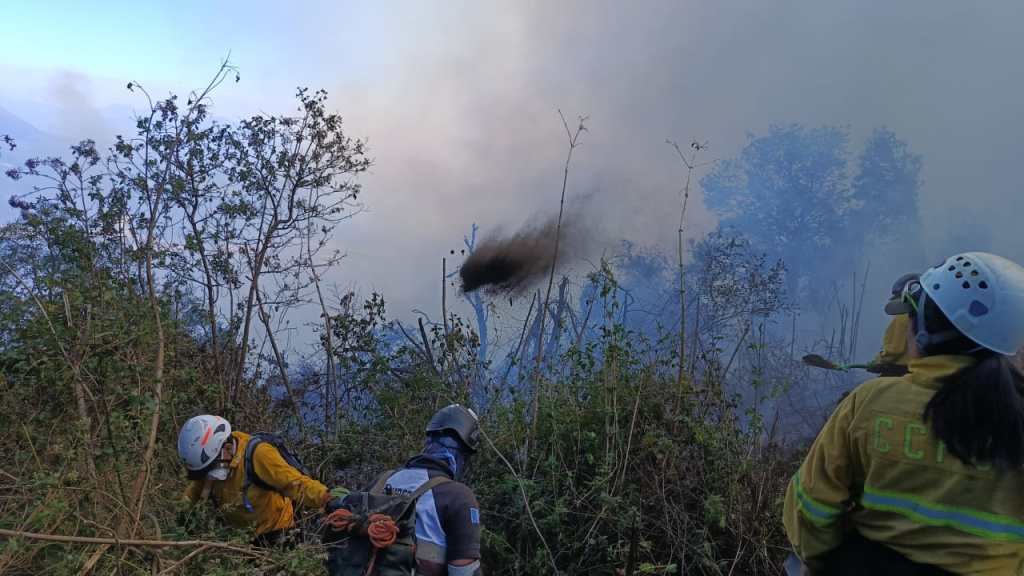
x=459 y=101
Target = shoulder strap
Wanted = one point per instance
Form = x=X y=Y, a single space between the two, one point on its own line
x=382 y=481
x=428 y=485
x=250 y=470
x=423 y=489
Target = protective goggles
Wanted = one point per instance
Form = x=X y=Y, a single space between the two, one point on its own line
x=905 y=296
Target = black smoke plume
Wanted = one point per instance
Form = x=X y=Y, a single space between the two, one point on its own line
x=502 y=264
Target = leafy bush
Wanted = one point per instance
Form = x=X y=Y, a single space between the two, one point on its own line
x=114 y=329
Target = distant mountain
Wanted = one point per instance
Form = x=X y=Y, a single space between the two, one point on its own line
x=30 y=142
x=99 y=124
x=23 y=133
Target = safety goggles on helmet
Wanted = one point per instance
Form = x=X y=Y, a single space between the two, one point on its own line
x=909 y=297
x=906 y=292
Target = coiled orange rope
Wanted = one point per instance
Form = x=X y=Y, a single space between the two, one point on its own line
x=382 y=530
x=379 y=528
x=341 y=520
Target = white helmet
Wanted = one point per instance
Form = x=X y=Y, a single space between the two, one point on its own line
x=983 y=296
x=201 y=439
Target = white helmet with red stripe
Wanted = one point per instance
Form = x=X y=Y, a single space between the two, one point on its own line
x=201 y=439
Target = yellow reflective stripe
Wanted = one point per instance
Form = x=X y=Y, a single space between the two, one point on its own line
x=816 y=512
x=984 y=524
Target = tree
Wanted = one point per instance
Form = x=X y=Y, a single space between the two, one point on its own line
x=789 y=192
x=736 y=286
x=786 y=192
x=204 y=259
x=482 y=313
x=286 y=173
x=886 y=190
x=182 y=204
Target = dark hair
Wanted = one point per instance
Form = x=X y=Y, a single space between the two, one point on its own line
x=979 y=412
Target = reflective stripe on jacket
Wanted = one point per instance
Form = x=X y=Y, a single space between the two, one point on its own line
x=272 y=509
x=876 y=467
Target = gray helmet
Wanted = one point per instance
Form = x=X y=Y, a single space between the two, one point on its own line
x=459 y=420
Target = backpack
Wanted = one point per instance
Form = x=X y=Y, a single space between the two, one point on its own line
x=250 y=472
x=352 y=553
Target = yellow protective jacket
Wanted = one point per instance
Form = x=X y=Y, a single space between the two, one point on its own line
x=272 y=509
x=894 y=343
x=876 y=467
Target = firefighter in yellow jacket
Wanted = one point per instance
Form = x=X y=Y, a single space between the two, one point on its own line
x=894 y=357
x=924 y=474
x=262 y=495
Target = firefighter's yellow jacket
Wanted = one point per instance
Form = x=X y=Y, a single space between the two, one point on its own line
x=876 y=467
x=894 y=343
x=272 y=509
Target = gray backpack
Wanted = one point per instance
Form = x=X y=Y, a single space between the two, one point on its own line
x=352 y=554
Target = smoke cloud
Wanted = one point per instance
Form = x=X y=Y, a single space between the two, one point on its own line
x=459 y=103
x=510 y=264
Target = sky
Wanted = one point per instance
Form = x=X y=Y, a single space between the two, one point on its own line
x=460 y=104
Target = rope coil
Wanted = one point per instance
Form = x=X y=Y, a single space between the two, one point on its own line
x=379 y=528
x=382 y=530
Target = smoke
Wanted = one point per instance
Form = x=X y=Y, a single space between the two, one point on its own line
x=501 y=264
x=77 y=115
x=461 y=98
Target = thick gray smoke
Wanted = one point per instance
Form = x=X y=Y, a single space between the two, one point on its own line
x=460 y=98
x=510 y=264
